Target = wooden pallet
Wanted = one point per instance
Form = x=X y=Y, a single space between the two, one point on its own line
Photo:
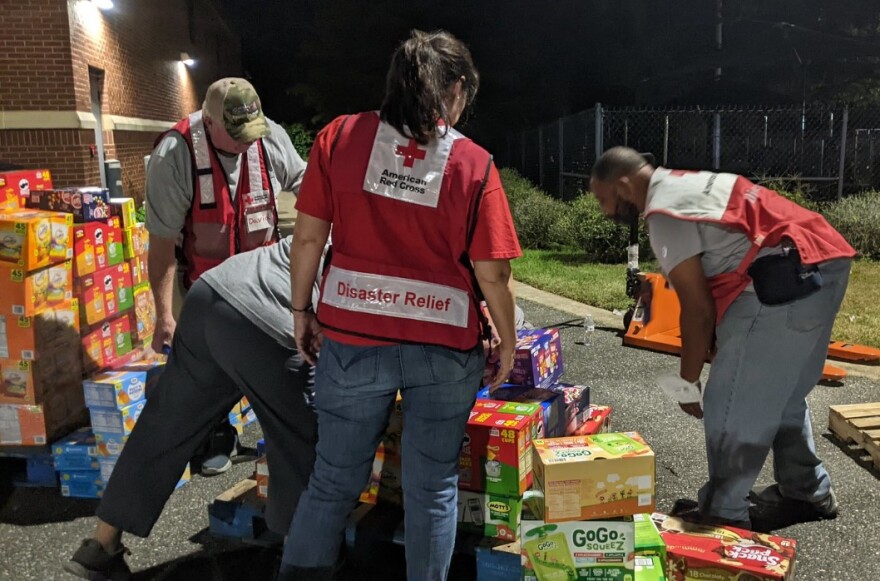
x=859 y=423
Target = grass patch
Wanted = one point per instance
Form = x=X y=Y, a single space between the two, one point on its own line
x=568 y=273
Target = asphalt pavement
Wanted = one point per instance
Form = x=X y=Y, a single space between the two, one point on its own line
x=39 y=529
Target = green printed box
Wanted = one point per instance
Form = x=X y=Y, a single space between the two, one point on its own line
x=649 y=569
x=489 y=515
x=571 y=551
x=649 y=543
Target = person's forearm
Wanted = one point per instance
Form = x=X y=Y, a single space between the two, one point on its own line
x=697 y=330
x=309 y=239
x=500 y=300
x=162 y=266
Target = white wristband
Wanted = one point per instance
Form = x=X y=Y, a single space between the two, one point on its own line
x=680 y=390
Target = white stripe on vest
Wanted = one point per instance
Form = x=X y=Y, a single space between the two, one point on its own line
x=698 y=195
x=203 y=158
x=402 y=169
x=392 y=296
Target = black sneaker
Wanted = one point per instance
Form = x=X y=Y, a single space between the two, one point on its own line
x=92 y=562
x=689 y=511
x=774 y=511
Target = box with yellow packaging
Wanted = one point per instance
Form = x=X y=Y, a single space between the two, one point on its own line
x=48 y=332
x=112 y=427
x=599 y=476
x=570 y=551
x=24 y=294
x=32 y=239
x=32 y=382
x=135 y=241
x=125 y=209
x=144 y=314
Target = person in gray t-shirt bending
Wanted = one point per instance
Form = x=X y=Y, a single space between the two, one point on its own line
x=235 y=338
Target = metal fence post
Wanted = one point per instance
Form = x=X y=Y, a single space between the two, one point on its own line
x=842 y=167
x=541 y=156
x=665 y=140
x=561 y=151
x=599 y=121
x=716 y=142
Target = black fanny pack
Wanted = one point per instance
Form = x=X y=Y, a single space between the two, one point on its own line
x=783 y=278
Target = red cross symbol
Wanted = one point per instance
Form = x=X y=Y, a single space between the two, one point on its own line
x=411 y=153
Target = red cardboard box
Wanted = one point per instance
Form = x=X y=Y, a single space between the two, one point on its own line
x=16 y=186
x=107 y=344
x=599 y=421
x=139 y=271
x=105 y=293
x=698 y=552
x=90 y=247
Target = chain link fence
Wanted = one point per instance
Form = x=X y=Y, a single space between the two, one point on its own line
x=831 y=150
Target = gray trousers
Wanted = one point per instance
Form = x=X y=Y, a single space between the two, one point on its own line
x=217 y=357
x=769 y=358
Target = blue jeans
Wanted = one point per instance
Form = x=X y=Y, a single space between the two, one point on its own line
x=355 y=389
x=769 y=359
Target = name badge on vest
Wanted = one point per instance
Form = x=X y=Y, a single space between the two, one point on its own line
x=257 y=221
x=256 y=199
x=402 y=169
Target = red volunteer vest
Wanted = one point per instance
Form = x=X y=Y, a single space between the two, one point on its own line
x=218 y=226
x=403 y=218
x=760 y=213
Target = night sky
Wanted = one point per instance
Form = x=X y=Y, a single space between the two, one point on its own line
x=314 y=59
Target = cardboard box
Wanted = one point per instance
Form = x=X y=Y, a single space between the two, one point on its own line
x=261 y=475
x=241 y=415
x=496 y=453
x=24 y=294
x=85 y=204
x=136 y=241
x=553 y=423
x=16 y=186
x=31 y=239
x=577 y=550
x=515 y=408
x=115 y=246
x=489 y=515
x=81 y=483
x=649 y=543
x=498 y=562
x=90 y=247
x=598 y=422
x=150 y=368
x=33 y=382
x=107 y=344
x=589 y=477
x=576 y=404
x=537 y=361
x=143 y=318
x=105 y=293
x=50 y=332
x=107 y=464
x=114 y=390
x=125 y=209
x=698 y=552
x=649 y=569
x=37 y=425
x=370 y=495
x=112 y=427
x=139 y=270
x=76 y=451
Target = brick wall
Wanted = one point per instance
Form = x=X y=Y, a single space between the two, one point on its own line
x=48 y=48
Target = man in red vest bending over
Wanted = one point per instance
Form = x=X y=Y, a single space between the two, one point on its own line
x=212 y=187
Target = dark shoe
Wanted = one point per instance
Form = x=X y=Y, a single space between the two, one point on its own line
x=219 y=462
x=92 y=562
x=689 y=511
x=774 y=511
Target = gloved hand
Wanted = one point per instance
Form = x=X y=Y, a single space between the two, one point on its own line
x=688 y=395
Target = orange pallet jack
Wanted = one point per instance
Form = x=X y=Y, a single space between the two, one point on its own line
x=663 y=333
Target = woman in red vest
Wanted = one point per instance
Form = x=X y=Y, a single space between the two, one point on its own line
x=762 y=278
x=421 y=232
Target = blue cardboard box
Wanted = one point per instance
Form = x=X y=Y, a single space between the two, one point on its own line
x=112 y=427
x=152 y=370
x=76 y=451
x=498 y=562
x=114 y=390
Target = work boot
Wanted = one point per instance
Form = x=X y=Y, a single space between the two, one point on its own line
x=774 y=511
x=92 y=562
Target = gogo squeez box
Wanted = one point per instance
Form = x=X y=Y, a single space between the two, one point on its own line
x=571 y=551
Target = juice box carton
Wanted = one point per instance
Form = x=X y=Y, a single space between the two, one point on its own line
x=85 y=204
x=48 y=332
x=76 y=451
x=125 y=209
x=600 y=476
x=724 y=553
x=496 y=452
x=16 y=186
x=537 y=361
x=568 y=551
x=649 y=543
x=114 y=390
x=144 y=315
x=489 y=515
x=136 y=240
x=25 y=294
x=112 y=427
x=90 y=247
x=498 y=562
x=598 y=422
x=649 y=569
x=32 y=239
x=139 y=270
x=552 y=425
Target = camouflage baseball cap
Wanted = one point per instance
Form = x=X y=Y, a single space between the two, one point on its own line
x=236 y=103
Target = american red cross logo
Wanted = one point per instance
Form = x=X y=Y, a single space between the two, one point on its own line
x=410 y=153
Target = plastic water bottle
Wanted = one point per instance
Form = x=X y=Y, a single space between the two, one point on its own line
x=589 y=329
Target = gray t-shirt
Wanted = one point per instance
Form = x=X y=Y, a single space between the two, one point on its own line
x=170 y=183
x=257 y=284
x=722 y=249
